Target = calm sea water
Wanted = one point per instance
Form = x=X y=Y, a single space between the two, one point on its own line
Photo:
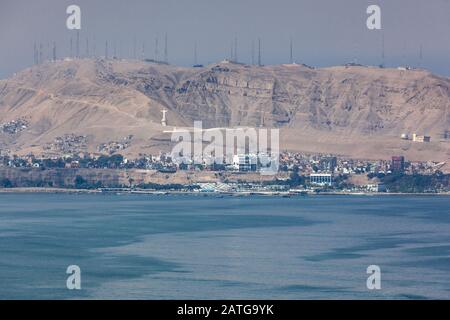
x=195 y=247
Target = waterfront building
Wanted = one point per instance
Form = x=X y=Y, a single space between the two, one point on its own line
x=321 y=179
x=376 y=187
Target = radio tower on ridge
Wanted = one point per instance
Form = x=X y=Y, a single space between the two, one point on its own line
x=166 y=58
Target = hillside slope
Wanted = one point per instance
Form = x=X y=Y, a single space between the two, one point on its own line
x=354 y=111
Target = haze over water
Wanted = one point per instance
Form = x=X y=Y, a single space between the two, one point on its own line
x=194 y=247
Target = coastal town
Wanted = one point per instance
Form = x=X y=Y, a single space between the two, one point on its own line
x=298 y=173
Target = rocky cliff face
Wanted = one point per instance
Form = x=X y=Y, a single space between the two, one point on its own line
x=106 y=101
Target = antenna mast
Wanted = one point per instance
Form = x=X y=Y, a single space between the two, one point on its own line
x=156 y=49
x=235 y=49
x=35 y=56
x=166 y=59
x=78 y=43
x=40 y=52
x=420 y=56
x=259 y=51
x=253 y=52
x=291 y=58
x=195 y=53
x=54 y=51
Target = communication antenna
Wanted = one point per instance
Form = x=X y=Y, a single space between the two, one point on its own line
x=404 y=54
x=420 y=56
x=291 y=58
x=78 y=43
x=156 y=49
x=106 y=49
x=87 y=47
x=231 y=51
x=259 y=51
x=166 y=59
x=134 y=47
x=143 y=50
x=253 y=52
x=195 y=53
x=355 y=53
x=54 y=51
x=41 y=52
x=94 y=48
x=382 y=50
x=35 y=54
x=235 y=49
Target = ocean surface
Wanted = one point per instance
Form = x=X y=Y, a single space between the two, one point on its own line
x=210 y=247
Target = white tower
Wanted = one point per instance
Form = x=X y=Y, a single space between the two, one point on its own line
x=163 y=120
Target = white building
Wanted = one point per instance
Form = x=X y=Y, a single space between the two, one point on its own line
x=419 y=138
x=245 y=162
x=376 y=187
x=321 y=179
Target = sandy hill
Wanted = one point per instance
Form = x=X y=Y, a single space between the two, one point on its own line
x=355 y=111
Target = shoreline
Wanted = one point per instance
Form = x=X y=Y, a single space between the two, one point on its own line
x=171 y=192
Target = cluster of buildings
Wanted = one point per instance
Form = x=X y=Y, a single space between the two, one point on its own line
x=67 y=144
x=115 y=146
x=416 y=137
x=320 y=171
x=72 y=144
x=318 y=167
x=14 y=126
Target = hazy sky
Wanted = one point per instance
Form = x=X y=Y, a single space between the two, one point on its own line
x=324 y=32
